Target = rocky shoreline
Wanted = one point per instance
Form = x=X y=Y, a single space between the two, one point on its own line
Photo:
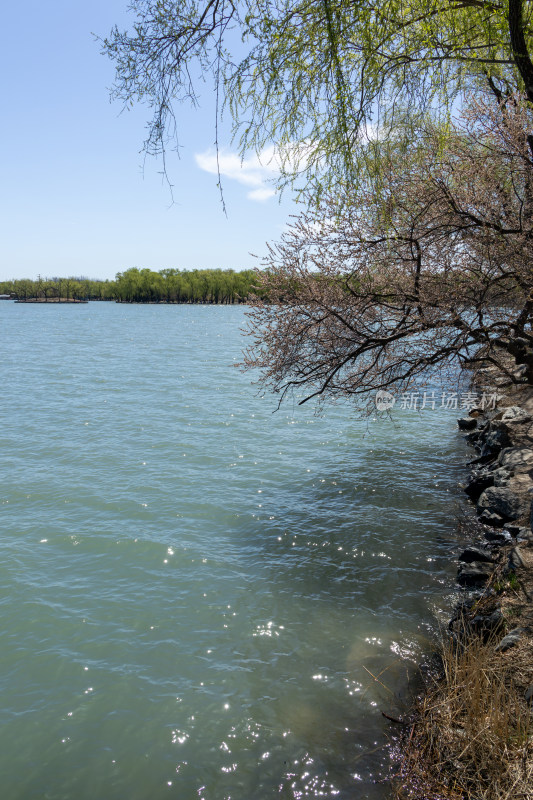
x=501 y=553
x=469 y=733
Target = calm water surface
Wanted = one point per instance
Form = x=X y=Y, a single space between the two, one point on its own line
x=195 y=591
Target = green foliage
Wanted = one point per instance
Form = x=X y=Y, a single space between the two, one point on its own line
x=310 y=76
x=59 y=289
x=186 y=286
x=143 y=286
x=510 y=582
x=513 y=581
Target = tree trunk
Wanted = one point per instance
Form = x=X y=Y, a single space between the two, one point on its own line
x=521 y=54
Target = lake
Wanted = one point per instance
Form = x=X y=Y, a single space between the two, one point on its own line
x=203 y=597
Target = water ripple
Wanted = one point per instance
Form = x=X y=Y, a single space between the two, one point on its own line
x=196 y=592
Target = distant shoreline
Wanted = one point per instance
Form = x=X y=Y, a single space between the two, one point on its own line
x=53 y=300
x=141 y=286
x=61 y=301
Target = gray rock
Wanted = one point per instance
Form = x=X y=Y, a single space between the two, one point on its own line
x=515 y=414
x=476 y=573
x=478 y=482
x=513 y=529
x=515 y=559
x=494 y=520
x=481 y=462
x=517 y=459
x=493 y=443
x=528 y=694
x=501 y=381
x=520 y=372
x=501 y=476
x=494 y=437
x=475 y=554
x=467 y=423
x=488 y=624
x=511 y=640
x=497 y=537
x=525 y=535
x=501 y=501
x=473 y=438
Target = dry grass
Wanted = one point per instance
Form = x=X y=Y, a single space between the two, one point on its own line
x=471 y=737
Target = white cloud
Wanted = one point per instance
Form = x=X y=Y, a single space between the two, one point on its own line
x=261 y=194
x=260 y=172
x=254 y=172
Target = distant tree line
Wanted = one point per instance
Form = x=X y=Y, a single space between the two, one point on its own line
x=57 y=289
x=184 y=286
x=142 y=286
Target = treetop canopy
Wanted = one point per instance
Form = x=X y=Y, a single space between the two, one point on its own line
x=315 y=77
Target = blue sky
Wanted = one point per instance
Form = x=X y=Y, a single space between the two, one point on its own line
x=75 y=199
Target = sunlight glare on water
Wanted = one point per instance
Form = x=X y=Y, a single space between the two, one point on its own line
x=202 y=598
